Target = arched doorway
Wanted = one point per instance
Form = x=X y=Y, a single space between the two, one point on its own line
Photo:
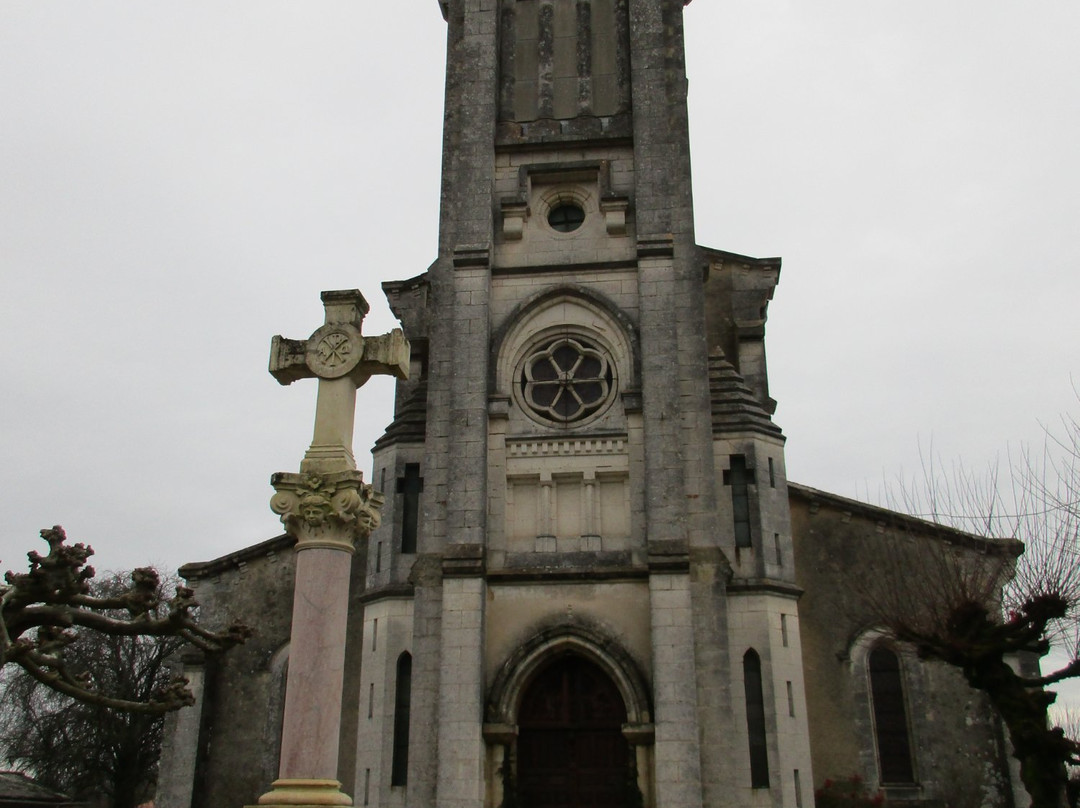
x=571 y=752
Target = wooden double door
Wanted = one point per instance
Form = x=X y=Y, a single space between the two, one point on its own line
x=571 y=752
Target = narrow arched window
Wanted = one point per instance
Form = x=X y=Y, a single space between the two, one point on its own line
x=399 y=770
x=410 y=487
x=755 y=720
x=890 y=717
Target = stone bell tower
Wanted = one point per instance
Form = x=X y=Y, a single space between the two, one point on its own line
x=582 y=589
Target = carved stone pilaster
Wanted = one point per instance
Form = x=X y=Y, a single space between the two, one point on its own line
x=326 y=510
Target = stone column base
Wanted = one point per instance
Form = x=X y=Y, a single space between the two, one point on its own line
x=298 y=793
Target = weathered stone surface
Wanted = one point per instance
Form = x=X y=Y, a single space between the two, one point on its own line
x=583 y=465
x=957 y=745
x=233 y=732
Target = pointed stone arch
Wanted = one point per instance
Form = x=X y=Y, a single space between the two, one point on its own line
x=904 y=665
x=544 y=650
x=521 y=667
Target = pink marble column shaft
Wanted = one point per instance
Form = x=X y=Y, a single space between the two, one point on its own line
x=309 y=738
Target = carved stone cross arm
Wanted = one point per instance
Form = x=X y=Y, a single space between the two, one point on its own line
x=338 y=348
x=342 y=359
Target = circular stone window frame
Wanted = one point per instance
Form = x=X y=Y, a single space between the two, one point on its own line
x=571 y=195
x=545 y=337
x=572 y=310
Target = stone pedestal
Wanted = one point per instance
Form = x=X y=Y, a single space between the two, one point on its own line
x=303 y=793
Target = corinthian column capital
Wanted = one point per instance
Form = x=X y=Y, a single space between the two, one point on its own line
x=330 y=510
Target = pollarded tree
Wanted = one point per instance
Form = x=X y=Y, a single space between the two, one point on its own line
x=83 y=747
x=985 y=613
x=84 y=699
x=45 y=611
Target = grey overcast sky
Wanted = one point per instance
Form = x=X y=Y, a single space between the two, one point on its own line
x=178 y=181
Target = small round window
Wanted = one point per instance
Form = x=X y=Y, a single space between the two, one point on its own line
x=566 y=380
x=566 y=217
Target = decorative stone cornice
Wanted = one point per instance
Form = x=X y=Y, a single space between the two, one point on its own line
x=567 y=447
x=326 y=510
x=468 y=256
x=661 y=245
x=671 y=555
x=463 y=561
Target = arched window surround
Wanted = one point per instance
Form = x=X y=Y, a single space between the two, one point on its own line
x=889 y=713
x=572 y=305
x=866 y=730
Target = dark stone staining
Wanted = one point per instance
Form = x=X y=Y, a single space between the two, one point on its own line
x=674 y=68
x=507 y=54
x=564 y=71
x=954 y=743
x=524 y=83
x=545 y=56
x=580 y=565
x=564 y=68
x=621 y=48
x=584 y=57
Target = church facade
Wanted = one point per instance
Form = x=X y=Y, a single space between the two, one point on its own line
x=593 y=583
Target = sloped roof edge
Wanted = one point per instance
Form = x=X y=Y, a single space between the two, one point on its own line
x=17 y=788
x=905 y=521
x=201 y=569
x=724 y=255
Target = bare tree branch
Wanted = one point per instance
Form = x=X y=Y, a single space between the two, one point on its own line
x=45 y=610
x=103 y=746
x=982 y=609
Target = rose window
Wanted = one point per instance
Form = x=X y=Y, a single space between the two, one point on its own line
x=566 y=380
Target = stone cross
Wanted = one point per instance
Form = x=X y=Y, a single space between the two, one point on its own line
x=342 y=359
x=326 y=508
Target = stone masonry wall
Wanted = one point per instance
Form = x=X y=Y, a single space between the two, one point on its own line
x=239 y=715
x=958 y=753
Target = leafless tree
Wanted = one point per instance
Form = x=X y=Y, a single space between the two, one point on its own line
x=985 y=607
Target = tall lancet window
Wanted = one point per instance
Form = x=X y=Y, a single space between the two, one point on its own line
x=755 y=720
x=399 y=768
x=561 y=59
x=890 y=717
